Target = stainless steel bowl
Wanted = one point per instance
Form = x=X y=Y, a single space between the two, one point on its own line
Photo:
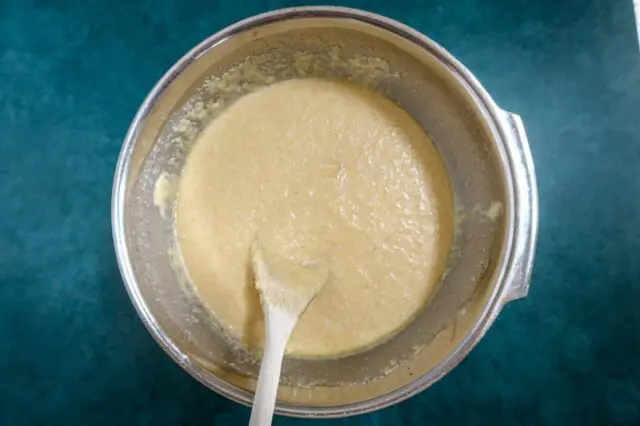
x=484 y=149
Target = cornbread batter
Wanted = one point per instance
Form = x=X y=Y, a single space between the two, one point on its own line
x=318 y=169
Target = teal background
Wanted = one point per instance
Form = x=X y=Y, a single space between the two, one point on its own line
x=72 y=75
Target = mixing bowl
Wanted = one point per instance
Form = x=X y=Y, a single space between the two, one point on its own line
x=484 y=149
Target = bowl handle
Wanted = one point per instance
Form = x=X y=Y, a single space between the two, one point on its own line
x=526 y=208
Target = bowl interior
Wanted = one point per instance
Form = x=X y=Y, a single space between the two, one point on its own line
x=260 y=53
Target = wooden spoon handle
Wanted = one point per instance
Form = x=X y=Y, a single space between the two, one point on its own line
x=278 y=327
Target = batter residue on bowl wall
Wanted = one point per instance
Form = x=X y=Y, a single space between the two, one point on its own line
x=318 y=168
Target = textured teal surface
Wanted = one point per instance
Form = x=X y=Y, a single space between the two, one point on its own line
x=72 y=350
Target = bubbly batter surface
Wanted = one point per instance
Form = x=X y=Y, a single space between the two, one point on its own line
x=318 y=169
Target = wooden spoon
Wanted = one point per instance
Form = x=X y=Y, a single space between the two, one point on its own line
x=286 y=288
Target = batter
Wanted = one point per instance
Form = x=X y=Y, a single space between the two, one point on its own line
x=317 y=169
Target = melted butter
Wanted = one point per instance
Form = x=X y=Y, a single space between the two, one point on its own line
x=321 y=169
